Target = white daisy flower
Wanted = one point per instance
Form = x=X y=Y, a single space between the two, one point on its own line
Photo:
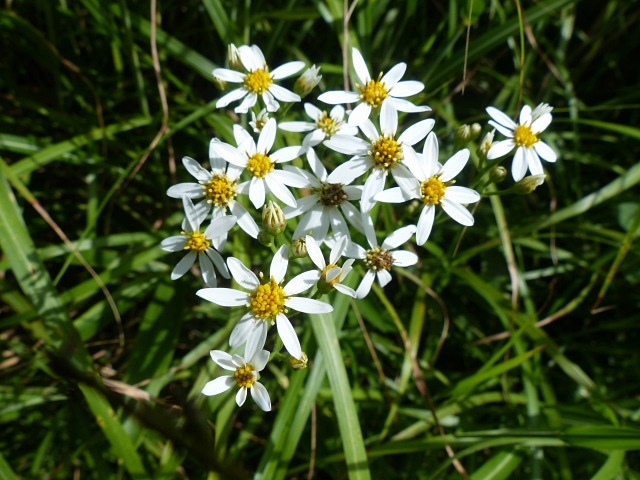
x=433 y=184
x=257 y=81
x=386 y=93
x=260 y=164
x=218 y=187
x=381 y=154
x=267 y=301
x=198 y=244
x=524 y=137
x=245 y=375
x=329 y=276
x=380 y=259
x=328 y=205
x=323 y=127
x=258 y=121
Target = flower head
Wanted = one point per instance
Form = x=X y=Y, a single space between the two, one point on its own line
x=524 y=136
x=433 y=184
x=259 y=121
x=257 y=160
x=328 y=205
x=218 y=188
x=381 y=154
x=379 y=259
x=329 y=275
x=245 y=376
x=257 y=81
x=267 y=302
x=324 y=125
x=200 y=245
x=385 y=93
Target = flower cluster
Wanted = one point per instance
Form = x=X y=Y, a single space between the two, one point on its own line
x=321 y=193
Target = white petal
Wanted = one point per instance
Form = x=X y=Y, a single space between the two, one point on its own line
x=416 y=132
x=314 y=112
x=256 y=338
x=533 y=161
x=223 y=359
x=228 y=75
x=338 y=250
x=225 y=297
x=207 y=270
x=195 y=169
x=399 y=237
x=525 y=115
x=267 y=136
x=365 y=285
x=425 y=224
x=296 y=126
x=359 y=114
x=241 y=274
x=384 y=277
x=175 y=243
x=339 y=96
x=461 y=194
x=231 y=97
x=302 y=282
x=251 y=57
x=501 y=118
x=360 y=67
x=261 y=396
x=245 y=220
x=219 y=385
x=308 y=305
x=454 y=165
x=270 y=102
x=316 y=166
x=392 y=195
x=348 y=145
x=391 y=78
x=230 y=154
x=279 y=263
x=288 y=336
x=373 y=186
x=345 y=290
x=276 y=186
x=430 y=153
x=457 y=212
x=404 y=258
x=350 y=170
x=302 y=205
x=218 y=261
x=541 y=123
x=192 y=190
x=248 y=102
x=500 y=149
x=545 y=151
x=388 y=120
x=257 y=192
x=241 y=396
x=259 y=360
x=406 y=88
x=519 y=165
x=283 y=94
x=352 y=214
x=315 y=254
x=183 y=265
x=243 y=330
x=286 y=70
x=402 y=105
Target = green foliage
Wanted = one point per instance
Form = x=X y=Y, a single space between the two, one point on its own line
x=511 y=345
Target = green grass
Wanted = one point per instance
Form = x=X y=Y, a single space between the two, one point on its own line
x=508 y=351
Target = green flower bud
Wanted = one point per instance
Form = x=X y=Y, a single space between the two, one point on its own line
x=233 y=58
x=273 y=220
x=299 y=363
x=265 y=238
x=485 y=144
x=299 y=247
x=467 y=133
x=497 y=174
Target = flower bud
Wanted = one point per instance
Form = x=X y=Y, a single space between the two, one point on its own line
x=265 y=238
x=529 y=184
x=497 y=174
x=273 y=220
x=485 y=144
x=467 y=133
x=307 y=81
x=220 y=84
x=299 y=247
x=299 y=363
x=233 y=58
x=259 y=121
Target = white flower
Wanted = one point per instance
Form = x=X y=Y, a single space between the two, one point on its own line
x=379 y=260
x=323 y=127
x=260 y=164
x=523 y=136
x=245 y=375
x=219 y=187
x=199 y=245
x=382 y=154
x=433 y=185
x=267 y=302
x=258 y=121
x=257 y=81
x=386 y=92
x=330 y=275
x=328 y=205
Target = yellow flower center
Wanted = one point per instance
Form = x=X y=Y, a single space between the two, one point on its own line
x=374 y=92
x=197 y=241
x=385 y=152
x=378 y=259
x=331 y=194
x=327 y=124
x=259 y=165
x=219 y=190
x=258 y=81
x=524 y=137
x=432 y=190
x=268 y=301
x=323 y=275
x=244 y=376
